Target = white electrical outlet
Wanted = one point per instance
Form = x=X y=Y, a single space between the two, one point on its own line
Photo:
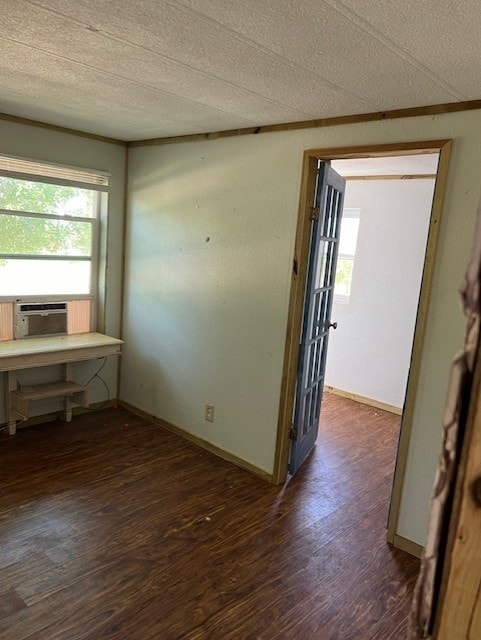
x=209 y=412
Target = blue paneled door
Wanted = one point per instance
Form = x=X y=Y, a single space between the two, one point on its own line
x=326 y=226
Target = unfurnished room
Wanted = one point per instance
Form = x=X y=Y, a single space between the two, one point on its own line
x=239 y=317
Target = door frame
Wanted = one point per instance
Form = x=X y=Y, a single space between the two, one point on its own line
x=296 y=301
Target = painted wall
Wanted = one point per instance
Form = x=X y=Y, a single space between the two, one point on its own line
x=205 y=320
x=370 y=351
x=41 y=144
x=208 y=260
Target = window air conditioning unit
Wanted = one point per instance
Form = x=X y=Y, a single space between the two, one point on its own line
x=34 y=319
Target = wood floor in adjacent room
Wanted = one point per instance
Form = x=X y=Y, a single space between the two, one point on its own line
x=112 y=529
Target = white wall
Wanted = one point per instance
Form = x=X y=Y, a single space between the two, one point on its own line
x=206 y=280
x=44 y=145
x=370 y=351
x=205 y=322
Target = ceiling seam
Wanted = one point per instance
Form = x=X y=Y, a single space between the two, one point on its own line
x=269 y=52
x=336 y=5
x=119 y=77
x=111 y=36
x=363 y=24
x=360 y=22
x=189 y=67
x=393 y=47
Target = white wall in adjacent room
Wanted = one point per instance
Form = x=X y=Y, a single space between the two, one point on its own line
x=369 y=353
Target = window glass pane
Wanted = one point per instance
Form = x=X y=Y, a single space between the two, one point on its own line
x=347 y=251
x=321 y=264
x=39 y=197
x=43 y=277
x=344 y=276
x=43 y=236
x=348 y=239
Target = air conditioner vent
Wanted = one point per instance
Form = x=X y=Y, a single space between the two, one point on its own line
x=43 y=306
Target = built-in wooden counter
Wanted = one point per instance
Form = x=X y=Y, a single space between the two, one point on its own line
x=29 y=353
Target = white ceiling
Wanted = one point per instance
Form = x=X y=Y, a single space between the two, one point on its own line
x=134 y=69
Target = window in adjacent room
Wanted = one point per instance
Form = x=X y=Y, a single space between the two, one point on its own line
x=49 y=229
x=346 y=255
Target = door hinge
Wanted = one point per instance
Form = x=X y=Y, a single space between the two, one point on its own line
x=293 y=434
x=315 y=213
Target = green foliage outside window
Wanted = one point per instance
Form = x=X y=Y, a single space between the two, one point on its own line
x=344 y=276
x=44 y=236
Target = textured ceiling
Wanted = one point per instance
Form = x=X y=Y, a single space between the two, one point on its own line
x=134 y=69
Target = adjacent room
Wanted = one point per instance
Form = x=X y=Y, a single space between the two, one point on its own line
x=384 y=230
x=161 y=203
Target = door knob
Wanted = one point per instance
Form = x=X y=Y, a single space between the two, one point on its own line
x=333 y=325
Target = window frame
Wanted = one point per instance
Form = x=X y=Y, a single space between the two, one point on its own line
x=353 y=213
x=90 y=179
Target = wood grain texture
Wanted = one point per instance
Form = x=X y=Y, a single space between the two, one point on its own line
x=459 y=614
x=115 y=529
x=376 y=116
x=409 y=546
x=78 y=316
x=390 y=176
x=6 y=320
x=204 y=444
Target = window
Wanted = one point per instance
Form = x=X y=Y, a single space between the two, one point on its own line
x=49 y=229
x=346 y=254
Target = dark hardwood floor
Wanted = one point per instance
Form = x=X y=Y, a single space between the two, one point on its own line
x=112 y=529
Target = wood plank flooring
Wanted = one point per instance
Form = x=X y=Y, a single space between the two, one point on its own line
x=112 y=529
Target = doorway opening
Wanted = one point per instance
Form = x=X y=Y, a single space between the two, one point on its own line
x=379 y=162
x=384 y=229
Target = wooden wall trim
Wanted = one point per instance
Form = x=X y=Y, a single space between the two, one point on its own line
x=387 y=176
x=204 y=444
x=412 y=112
x=122 y=272
x=296 y=301
x=378 y=150
x=294 y=317
x=418 y=343
x=57 y=128
x=384 y=406
x=6 y=321
x=413 y=548
x=376 y=116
